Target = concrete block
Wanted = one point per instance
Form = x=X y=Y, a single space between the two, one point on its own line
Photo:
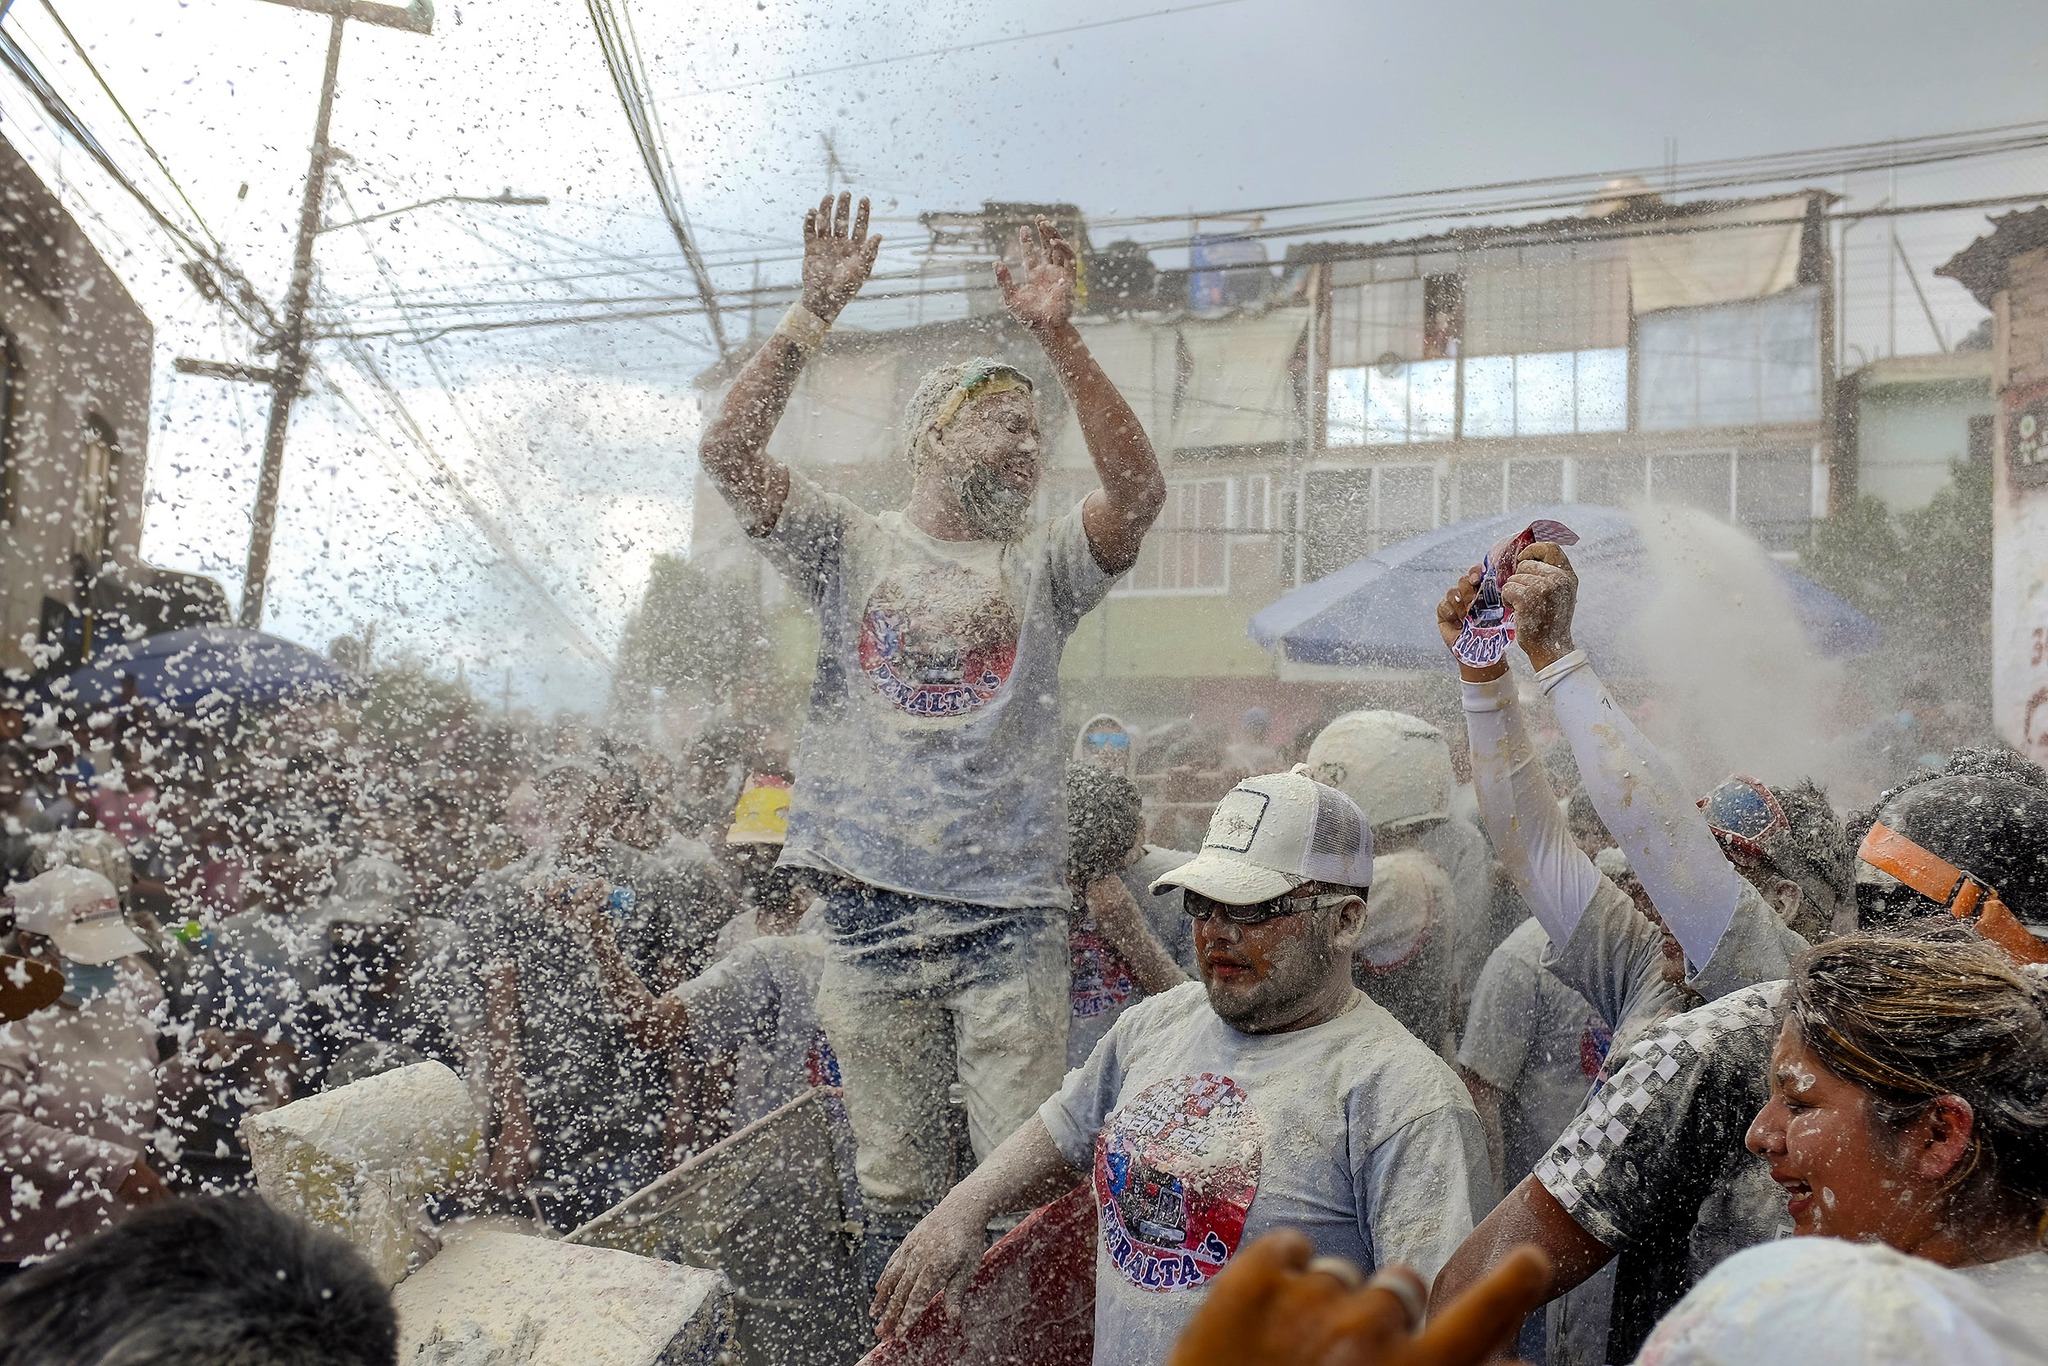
x=508 y=1298
x=362 y=1158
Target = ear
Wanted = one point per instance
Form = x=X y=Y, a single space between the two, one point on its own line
x=1940 y=1138
x=1350 y=922
x=1785 y=897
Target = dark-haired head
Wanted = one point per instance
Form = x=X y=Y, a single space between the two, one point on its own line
x=1981 y=818
x=201 y=1282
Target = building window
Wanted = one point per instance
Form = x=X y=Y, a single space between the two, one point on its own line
x=1287 y=521
x=1443 y=316
x=1255 y=508
x=1747 y=364
x=1353 y=513
x=99 y=503
x=1768 y=493
x=1551 y=393
x=1186 y=550
x=1774 y=496
x=1393 y=403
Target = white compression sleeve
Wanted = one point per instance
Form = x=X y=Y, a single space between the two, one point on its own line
x=1521 y=813
x=1646 y=809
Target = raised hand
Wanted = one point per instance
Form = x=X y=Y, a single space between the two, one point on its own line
x=1275 y=1306
x=838 y=256
x=1544 y=591
x=1450 y=613
x=1044 y=298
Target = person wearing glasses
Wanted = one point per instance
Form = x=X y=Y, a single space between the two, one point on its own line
x=930 y=772
x=1270 y=1094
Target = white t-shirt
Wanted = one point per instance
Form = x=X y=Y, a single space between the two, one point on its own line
x=1536 y=1041
x=761 y=1001
x=2019 y=1286
x=1199 y=1137
x=932 y=758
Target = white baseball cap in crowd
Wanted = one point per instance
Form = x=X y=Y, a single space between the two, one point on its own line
x=1857 y=1303
x=1270 y=835
x=78 y=911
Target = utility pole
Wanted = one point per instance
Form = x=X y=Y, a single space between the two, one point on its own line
x=288 y=376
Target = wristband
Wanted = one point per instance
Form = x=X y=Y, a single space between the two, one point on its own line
x=1495 y=694
x=1553 y=673
x=805 y=329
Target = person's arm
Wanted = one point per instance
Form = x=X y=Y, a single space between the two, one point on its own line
x=1530 y=1215
x=1274 y=1306
x=1637 y=793
x=734 y=451
x=62 y=1164
x=1422 y=1187
x=1486 y=1100
x=1494 y=1051
x=1122 y=923
x=511 y=1159
x=654 y=1023
x=941 y=1254
x=1117 y=515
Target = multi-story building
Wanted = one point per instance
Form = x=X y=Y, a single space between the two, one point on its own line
x=75 y=355
x=1357 y=394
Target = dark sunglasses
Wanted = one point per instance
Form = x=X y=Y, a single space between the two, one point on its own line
x=1259 y=912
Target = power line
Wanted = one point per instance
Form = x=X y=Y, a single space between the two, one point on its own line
x=676 y=306
x=500 y=540
x=239 y=296
x=86 y=57
x=622 y=60
x=956 y=47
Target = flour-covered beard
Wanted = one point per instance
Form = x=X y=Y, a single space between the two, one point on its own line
x=992 y=507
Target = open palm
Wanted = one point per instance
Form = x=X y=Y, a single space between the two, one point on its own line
x=838 y=254
x=1044 y=297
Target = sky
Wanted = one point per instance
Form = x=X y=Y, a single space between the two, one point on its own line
x=563 y=457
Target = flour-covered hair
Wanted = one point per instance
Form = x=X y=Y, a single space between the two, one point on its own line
x=931 y=392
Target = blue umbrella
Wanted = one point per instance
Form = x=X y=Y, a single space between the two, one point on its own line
x=204 y=668
x=1380 y=612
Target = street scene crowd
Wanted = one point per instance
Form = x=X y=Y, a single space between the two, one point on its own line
x=1420 y=1034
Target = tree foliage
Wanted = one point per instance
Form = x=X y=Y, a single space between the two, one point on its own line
x=694 y=629
x=1923 y=575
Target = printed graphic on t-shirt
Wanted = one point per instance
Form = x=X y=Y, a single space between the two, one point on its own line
x=1594 y=1042
x=1102 y=982
x=1175 y=1172
x=938 y=640
x=821 y=1064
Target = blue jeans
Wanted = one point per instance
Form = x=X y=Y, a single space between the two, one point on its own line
x=919 y=995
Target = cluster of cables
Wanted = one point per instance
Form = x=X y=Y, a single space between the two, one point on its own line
x=614 y=24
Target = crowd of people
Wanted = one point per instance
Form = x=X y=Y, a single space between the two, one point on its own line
x=1390 y=1060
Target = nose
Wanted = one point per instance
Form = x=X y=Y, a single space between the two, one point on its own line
x=1766 y=1136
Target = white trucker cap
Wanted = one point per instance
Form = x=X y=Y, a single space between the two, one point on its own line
x=79 y=911
x=1270 y=835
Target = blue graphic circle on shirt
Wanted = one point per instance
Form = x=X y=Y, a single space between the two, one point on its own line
x=1176 y=1170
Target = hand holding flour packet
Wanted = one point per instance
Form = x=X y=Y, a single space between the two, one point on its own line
x=1490 y=624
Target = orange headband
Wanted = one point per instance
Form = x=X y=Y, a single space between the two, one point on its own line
x=1947 y=886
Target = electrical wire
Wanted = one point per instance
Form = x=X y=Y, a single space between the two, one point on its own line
x=955 y=48
x=613 y=23
x=494 y=532
x=92 y=69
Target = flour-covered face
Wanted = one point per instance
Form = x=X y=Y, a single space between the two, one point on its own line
x=989 y=456
x=1837 y=1163
x=1261 y=977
